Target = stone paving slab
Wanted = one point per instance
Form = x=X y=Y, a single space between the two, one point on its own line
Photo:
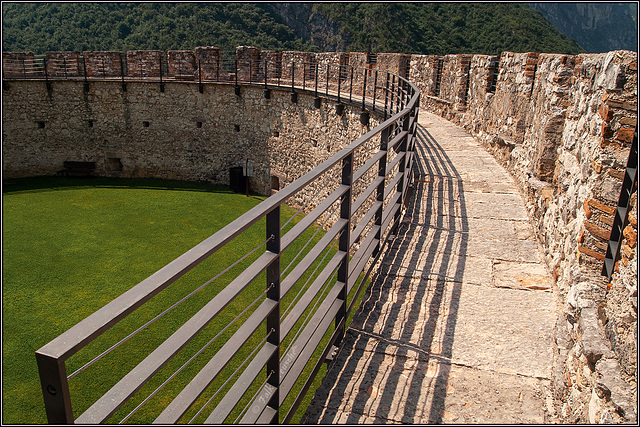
x=457 y=325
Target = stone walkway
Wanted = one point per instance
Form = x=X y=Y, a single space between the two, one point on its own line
x=457 y=326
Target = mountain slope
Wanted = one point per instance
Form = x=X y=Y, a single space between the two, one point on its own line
x=597 y=27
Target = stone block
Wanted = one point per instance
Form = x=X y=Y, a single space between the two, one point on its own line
x=601 y=207
x=611 y=384
x=63 y=64
x=594 y=346
x=629 y=121
x=597 y=231
x=606 y=131
x=622 y=104
x=625 y=135
x=631 y=235
x=584 y=294
x=182 y=63
x=605 y=112
x=587 y=210
x=103 y=64
x=143 y=63
x=17 y=64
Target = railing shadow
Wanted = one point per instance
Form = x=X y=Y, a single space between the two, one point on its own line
x=410 y=309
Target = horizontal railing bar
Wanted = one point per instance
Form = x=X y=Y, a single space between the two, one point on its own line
x=287 y=283
x=396 y=139
x=396 y=160
x=355 y=234
x=316 y=369
x=242 y=384
x=390 y=211
x=391 y=186
x=138 y=376
x=368 y=165
x=311 y=217
x=311 y=338
x=366 y=194
x=178 y=406
x=361 y=256
x=266 y=416
x=302 y=304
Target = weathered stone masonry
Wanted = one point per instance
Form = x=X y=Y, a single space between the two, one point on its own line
x=562 y=125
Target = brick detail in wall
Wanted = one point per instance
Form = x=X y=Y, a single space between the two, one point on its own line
x=182 y=64
x=63 y=64
x=103 y=64
x=144 y=63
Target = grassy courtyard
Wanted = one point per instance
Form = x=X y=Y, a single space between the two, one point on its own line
x=72 y=245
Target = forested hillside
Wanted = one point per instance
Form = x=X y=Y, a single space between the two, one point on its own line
x=422 y=28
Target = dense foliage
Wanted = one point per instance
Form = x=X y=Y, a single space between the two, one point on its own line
x=447 y=28
x=423 y=28
x=41 y=27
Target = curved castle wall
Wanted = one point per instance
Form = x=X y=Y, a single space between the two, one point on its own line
x=178 y=134
x=561 y=124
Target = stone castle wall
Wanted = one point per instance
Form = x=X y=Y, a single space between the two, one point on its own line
x=561 y=124
x=178 y=134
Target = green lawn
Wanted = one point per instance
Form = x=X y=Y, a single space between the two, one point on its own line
x=72 y=245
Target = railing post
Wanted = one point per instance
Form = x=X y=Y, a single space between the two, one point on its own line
x=84 y=69
x=55 y=389
x=386 y=97
x=339 y=71
x=343 y=246
x=161 y=83
x=124 y=85
x=294 y=95
x=402 y=169
x=375 y=88
x=382 y=172
x=326 y=87
x=46 y=74
x=273 y=319
x=317 y=102
x=364 y=88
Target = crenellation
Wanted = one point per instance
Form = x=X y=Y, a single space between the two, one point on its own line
x=208 y=59
x=103 y=63
x=63 y=64
x=181 y=64
x=144 y=63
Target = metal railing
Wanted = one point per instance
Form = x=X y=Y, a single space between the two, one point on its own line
x=621 y=215
x=276 y=344
x=339 y=81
